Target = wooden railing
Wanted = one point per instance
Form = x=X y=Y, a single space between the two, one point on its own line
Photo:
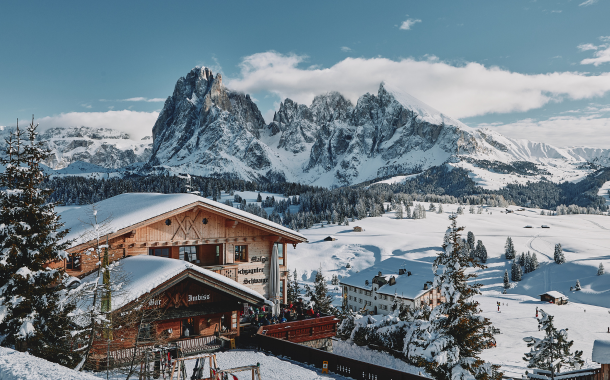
x=302 y=331
x=581 y=374
x=337 y=364
x=188 y=346
x=229 y=271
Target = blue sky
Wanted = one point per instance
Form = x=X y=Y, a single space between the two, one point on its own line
x=529 y=69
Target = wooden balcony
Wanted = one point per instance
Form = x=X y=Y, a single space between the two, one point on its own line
x=302 y=331
x=229 y=270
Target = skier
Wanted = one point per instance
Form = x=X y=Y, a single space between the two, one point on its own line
x=536 y=311
x=498 y=306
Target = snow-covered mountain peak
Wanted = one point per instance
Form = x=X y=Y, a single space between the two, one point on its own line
x=424 y=111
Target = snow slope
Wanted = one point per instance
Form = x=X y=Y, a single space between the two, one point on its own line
x=585 y=240
x=15 y=365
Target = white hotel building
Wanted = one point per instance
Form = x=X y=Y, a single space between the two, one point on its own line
x=375 y=288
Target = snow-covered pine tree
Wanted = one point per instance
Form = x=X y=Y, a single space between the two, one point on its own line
x=319 y=294
x=506 y=280
x=515 y=271
x=471 y=240
x=460 y=210
x=292 y=288
x=600 y=269
x=449 y=342
x=432 y=207
x=34 y=314
x=528 y=267
x=509 y=249
x=558 y=254
x=552 y=352
x=399 y=213
x=481 y=252
x=471 y=209
x=409 y=216
x=522 y=259
x=535 y=263
x=577 y=286
x=440 y=208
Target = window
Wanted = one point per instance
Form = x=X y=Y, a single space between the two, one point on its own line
x=188 y=327
x=162 y=252
x=282 y=290
x=73 y=262
x=360 y=300
x=144 y=333
x=360 y=291
x=188 y=253
x=280 y=253
x=241 y=253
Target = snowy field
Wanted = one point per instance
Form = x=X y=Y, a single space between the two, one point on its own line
x=585 y=240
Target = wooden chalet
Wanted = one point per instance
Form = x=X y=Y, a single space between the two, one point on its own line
x=554 y=297
x=186 y=227
x=180 y=303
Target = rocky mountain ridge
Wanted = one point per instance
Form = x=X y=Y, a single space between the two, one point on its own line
x=207 y=129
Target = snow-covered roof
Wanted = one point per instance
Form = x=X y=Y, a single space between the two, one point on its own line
x=410 y=287
x=601 y=351
x=555 y=294
x=144 y=273
x=131 y=208
x=15 y=365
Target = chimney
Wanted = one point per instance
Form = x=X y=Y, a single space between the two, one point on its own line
x=401 y=271
x=426 y=286
x=379 y=274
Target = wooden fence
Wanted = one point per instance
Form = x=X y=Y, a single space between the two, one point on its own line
x=337 y=364
x=302 y=331
x=581 y=374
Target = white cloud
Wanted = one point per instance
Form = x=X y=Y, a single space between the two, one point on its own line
x=345 y=49
x=460 y=91
x=556 y=11
x=585 y=47
x=563 y=131
x=136 y=124
x=406 y=25
x=86 y=105
x=141 y=99
x=587 y=3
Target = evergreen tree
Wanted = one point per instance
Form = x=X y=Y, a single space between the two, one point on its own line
x=319 y=294
x=515 y=271
x=577 y=286
x=481 y=252
x=506 y=280
x=522 y=259
x=600 y=269
x=292 y=289
x=471 y=240
x=460 y=210
x=448 y=343
x=535 y=263
x=552 y=352
x=432 y=207
x=440 y=208
x=528 y=267
x=399 y=214
x=509 y=249
x=558 y=254
x=35 y=318
x=409 y=216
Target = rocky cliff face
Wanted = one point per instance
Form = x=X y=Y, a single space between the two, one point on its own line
x=207 y=129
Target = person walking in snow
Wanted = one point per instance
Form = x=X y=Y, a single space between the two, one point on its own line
x=536 y=311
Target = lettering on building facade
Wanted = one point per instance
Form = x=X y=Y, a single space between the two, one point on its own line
x=250 y=271
x=198 y=297
x=258 y=259
x=249 y=281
